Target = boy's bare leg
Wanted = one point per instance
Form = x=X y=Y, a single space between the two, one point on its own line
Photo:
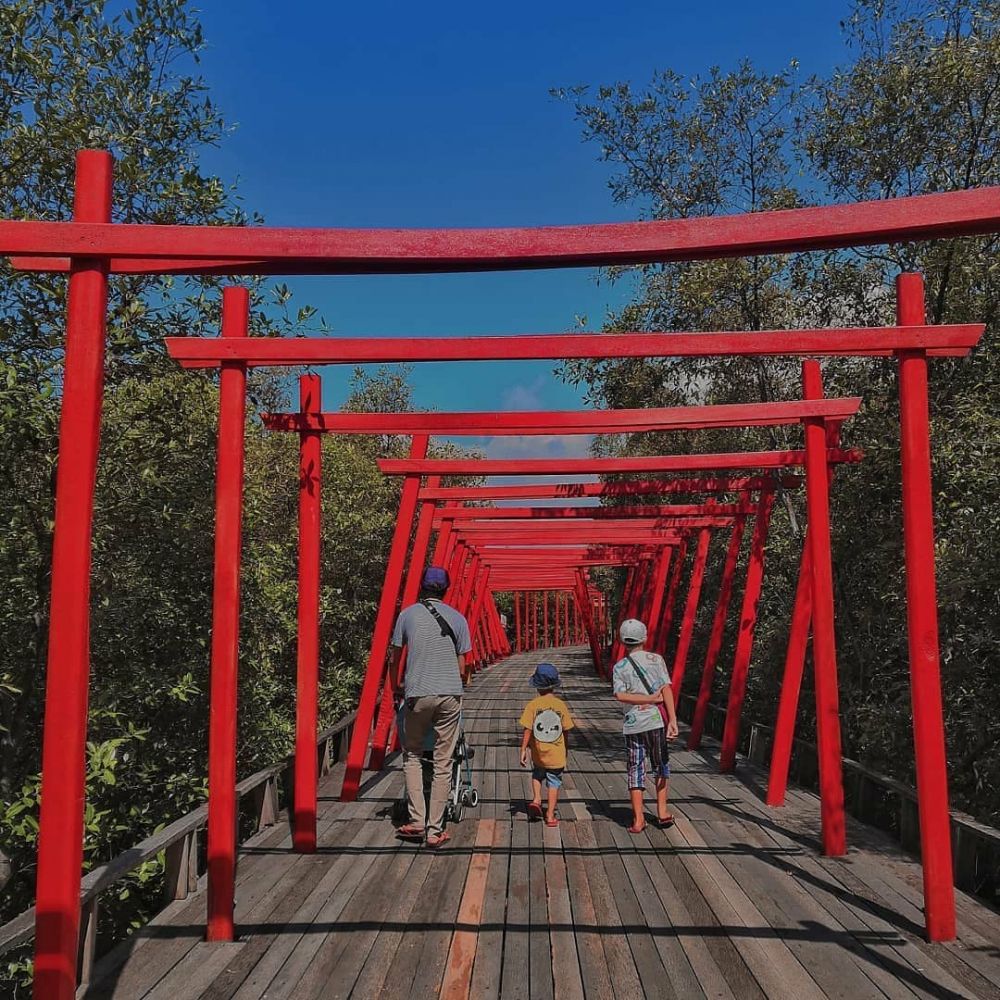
x=536 y=793
x=553 y=796
x=635 y=794
x=661 y=799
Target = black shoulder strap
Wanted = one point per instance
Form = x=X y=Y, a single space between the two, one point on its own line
x=446 y=629
x=640 y=674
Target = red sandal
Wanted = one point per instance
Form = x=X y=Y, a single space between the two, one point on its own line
x=534 y=810
x=410 y=832
x=636 y=830
x=435 y=843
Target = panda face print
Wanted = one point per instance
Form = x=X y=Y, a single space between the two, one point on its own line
x=547 y=727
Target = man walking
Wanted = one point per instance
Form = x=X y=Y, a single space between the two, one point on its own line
x=437 y=640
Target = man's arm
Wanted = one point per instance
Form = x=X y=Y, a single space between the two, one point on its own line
x=395 y=664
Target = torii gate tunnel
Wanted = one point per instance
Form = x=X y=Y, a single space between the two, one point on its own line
x=527 y=551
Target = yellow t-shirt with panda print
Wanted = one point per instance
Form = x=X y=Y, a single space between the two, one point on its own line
x=544 y=754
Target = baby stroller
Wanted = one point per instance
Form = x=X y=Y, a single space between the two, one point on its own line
x=461 y=793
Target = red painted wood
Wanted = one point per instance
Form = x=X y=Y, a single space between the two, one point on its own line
x=690 y=610
x=922 y=626
x=747 y=627
x=667 y=617
x=604 y=466
x=375 y=670
x=200 y=352
x=565 y=421
x=614 y=488
x=411 y=590
x=658 y=594
x=715 y=637
x=67 y=679
x=250 y=249
x=307 y=663
x=791 y=682
x=831 y=782
x=222 y=832
x=487 y=514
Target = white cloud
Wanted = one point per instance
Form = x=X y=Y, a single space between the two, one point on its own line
x=525 y=395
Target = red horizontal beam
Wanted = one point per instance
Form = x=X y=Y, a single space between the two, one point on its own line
x=260 y=249
x=614 y=488
x=566 y=421
x=605 y=466
x=462 y=514
x=200 y=352
x=569 y=526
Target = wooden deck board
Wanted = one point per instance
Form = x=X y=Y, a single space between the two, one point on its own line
x=733 y=902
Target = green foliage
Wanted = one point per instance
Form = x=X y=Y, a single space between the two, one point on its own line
x=915 y=111
x=72 y=75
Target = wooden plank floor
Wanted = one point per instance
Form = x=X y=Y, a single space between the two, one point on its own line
x=733 y=902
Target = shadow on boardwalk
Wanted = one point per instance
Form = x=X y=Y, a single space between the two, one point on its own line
x=733 y=901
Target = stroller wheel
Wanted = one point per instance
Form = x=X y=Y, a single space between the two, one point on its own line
x=457 y=812
x=470 y=797
x=470 y=752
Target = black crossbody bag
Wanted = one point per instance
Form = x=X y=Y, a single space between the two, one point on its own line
x=649 y=688
x=446 y=629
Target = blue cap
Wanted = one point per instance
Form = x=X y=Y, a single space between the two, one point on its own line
x=435 y=576
x=545 y=676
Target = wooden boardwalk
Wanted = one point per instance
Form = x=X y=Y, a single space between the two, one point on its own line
x=733 y=902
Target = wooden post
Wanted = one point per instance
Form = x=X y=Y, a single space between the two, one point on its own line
x=383 y=627
x=226 y=627
x=748 y=622
x=922 y=622
x=67 y=678
x=715 y=637
x=307 y=670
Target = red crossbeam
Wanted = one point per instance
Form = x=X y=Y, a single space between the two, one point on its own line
x=604 y=466
x=566 y=421
x=587 y=513
x=201 y=352
x=267 y=250
x=614 y=488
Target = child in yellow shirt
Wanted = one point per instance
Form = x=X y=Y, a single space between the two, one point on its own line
x=545 y=721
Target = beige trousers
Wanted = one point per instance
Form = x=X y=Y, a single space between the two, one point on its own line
x=442 y=714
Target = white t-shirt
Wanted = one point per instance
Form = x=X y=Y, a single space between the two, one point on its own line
x=625 y=680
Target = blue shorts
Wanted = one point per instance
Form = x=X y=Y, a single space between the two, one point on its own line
x=551 y=778
x=644 y=751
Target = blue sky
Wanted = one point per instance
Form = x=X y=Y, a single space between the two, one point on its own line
x=439 y=114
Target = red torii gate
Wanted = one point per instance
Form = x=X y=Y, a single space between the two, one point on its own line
x=91 y=247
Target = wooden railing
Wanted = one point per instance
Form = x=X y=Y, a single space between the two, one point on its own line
x=878 y=800
x=179 y=844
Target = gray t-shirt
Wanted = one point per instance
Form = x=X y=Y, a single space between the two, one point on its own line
x=431 y=660
x=640 y=718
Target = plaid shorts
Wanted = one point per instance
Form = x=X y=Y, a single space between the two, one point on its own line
x=647 y=750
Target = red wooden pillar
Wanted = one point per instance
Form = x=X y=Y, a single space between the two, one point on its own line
x=307 y=666
x=440 y=556
x=517 y=621
x=715 y=637
x=411 y=590
x=748 y=623
x=567 y=635
x=831 y=784
x=546 y=640
x=383 y=628
x=922 y=623
x=667 y=619
x=556 y=616
x=658 y=593
x=534 y=619
x=690 y=610
x=226 y=627
x=67 y=680
x=587 y=614
x=576 y=623
x=791 y=681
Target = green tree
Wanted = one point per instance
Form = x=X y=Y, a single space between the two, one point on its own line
x=914 y=111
